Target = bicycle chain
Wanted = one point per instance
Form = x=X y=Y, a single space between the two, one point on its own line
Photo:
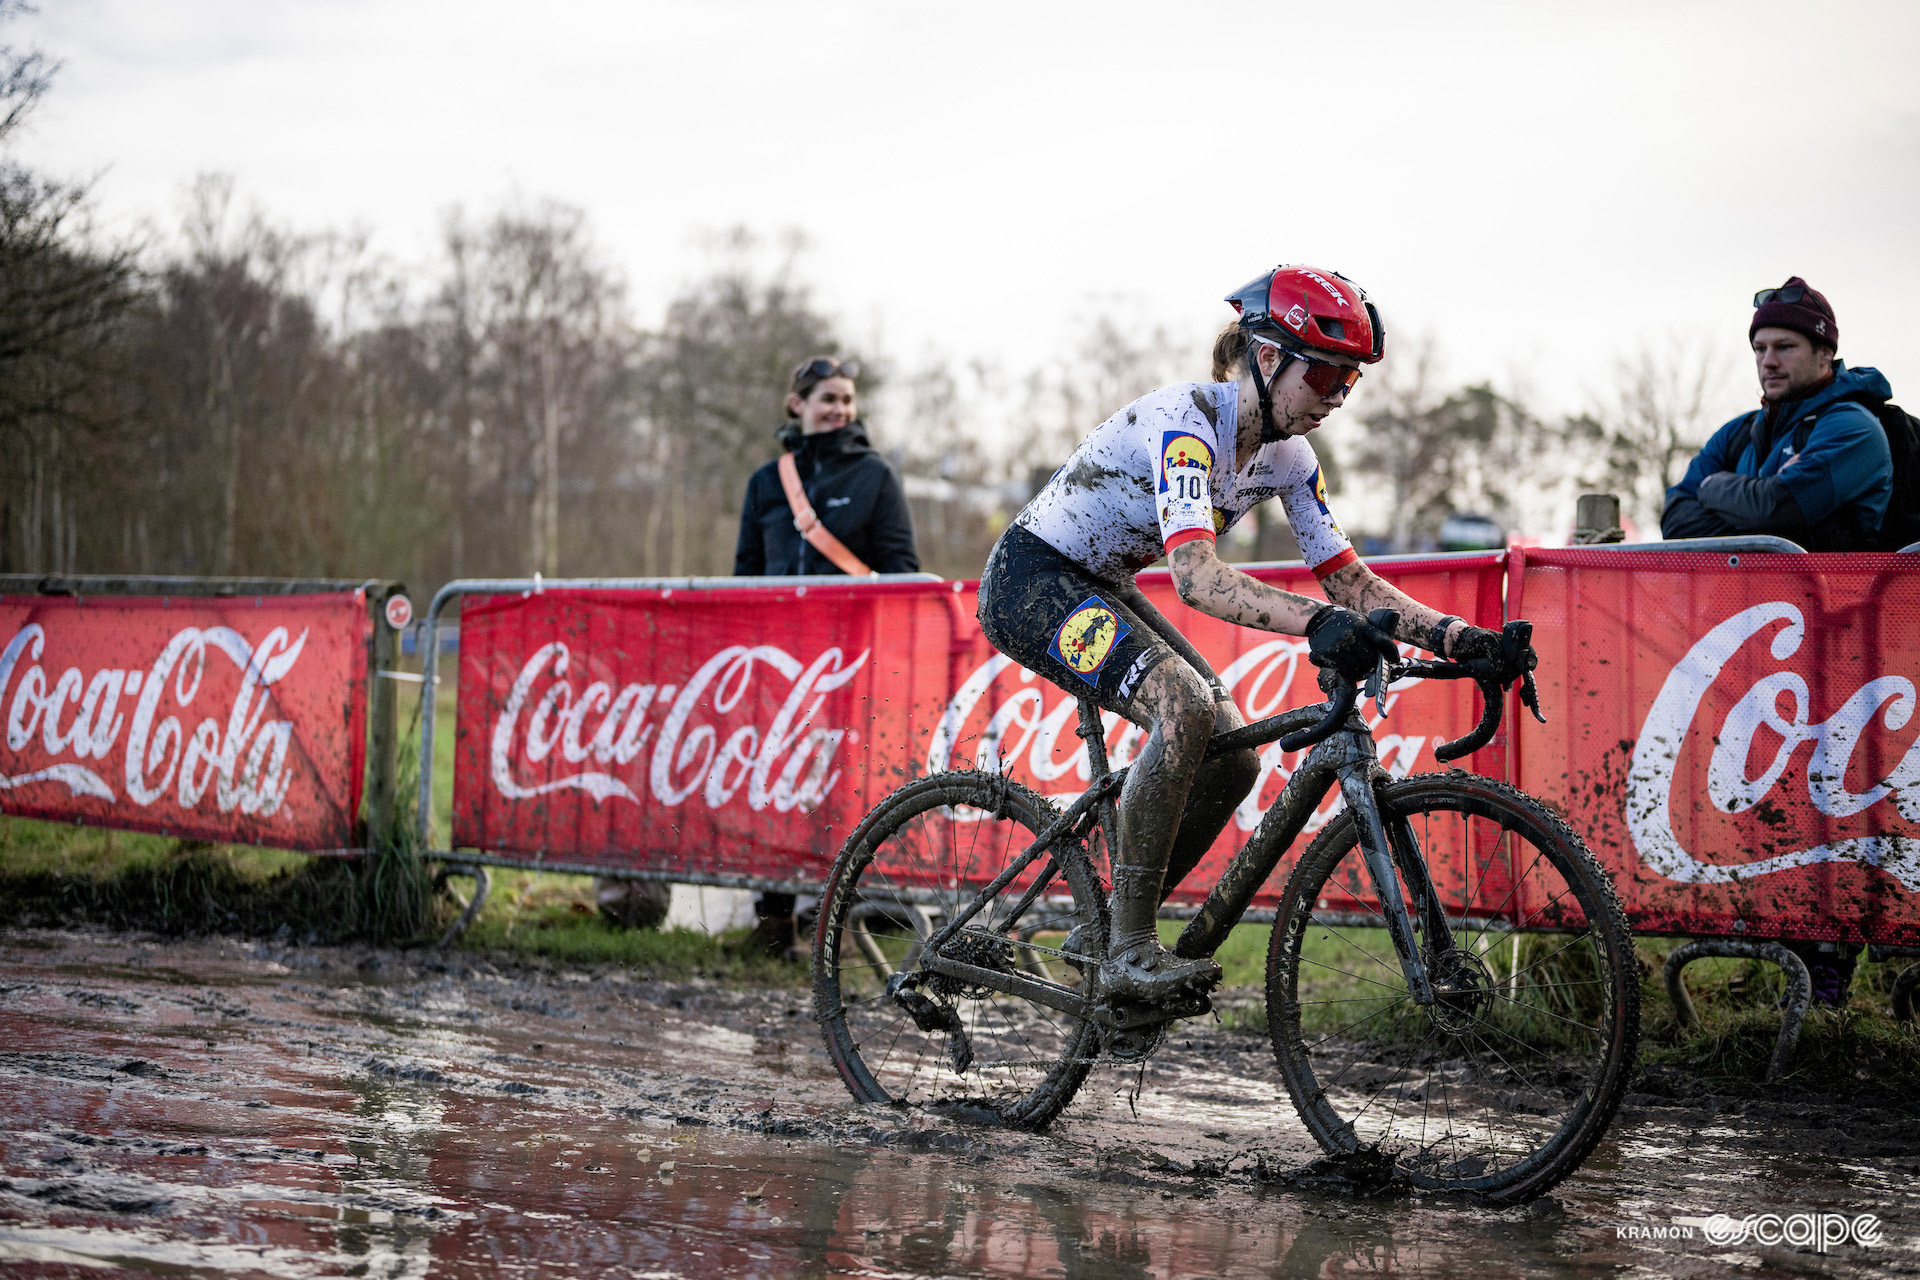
x=1030 y=946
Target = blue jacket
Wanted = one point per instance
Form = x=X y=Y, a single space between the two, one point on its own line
x=1832 y=494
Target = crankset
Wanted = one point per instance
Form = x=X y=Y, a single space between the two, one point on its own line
x=1132 y=1029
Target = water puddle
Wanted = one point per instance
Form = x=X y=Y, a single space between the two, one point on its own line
x=220 y=1112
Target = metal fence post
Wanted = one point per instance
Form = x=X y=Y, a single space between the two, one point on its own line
x=383 y=717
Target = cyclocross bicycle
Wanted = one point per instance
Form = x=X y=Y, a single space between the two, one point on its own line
x=1450 y=977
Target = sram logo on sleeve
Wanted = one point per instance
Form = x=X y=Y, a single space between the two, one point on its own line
x=1185 y=461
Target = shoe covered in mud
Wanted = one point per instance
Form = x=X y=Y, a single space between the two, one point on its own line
x=1148 y=971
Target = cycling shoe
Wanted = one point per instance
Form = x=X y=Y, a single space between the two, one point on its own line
x=1148 y=971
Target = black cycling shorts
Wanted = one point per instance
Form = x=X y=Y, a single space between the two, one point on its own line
x=1053 y=617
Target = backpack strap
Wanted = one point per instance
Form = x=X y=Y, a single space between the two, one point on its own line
x=1742 y=437
x=817 y=535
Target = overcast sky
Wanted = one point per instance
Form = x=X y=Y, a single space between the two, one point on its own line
x=1544 y=187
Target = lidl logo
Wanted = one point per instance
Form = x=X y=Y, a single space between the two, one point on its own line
x=1182 y=451
x=1086 y=639
x=1320 y=496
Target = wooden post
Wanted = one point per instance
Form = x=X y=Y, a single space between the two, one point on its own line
x=1597 y=519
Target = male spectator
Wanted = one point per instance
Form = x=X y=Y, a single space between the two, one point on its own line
x=829 y=504
x=1812 y=464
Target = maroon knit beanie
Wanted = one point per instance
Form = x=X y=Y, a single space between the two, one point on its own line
x=1808 y=314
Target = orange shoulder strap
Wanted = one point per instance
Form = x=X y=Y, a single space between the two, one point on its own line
x=816 y=534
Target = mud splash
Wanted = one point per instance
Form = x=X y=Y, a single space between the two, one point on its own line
x=222 y=1109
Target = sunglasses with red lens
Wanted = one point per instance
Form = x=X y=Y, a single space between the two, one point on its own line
x=1328 y=380
x=1323 y=377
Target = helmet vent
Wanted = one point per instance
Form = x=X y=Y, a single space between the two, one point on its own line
x=1332 y=328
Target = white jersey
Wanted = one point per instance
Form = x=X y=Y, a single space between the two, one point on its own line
x=1163 y=471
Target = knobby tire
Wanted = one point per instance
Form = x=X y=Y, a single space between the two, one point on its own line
x=910 y=859
x=1502 y=1090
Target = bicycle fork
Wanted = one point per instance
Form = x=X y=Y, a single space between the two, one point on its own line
x=1392 y=855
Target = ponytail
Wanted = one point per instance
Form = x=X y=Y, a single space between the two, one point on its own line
x=1229 y=353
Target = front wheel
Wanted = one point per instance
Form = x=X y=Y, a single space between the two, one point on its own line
x=911 y=865
x=1507 y=1081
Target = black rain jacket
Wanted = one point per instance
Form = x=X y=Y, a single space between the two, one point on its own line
x=855 y=492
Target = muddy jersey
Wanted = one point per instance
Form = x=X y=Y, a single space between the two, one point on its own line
x=1163 y=471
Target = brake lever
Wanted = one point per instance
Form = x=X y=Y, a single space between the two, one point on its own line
x=1516 y=638
x=1387 y=620
x=1530 y=696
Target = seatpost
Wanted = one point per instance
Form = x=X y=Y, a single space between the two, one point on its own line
x=1094 y=733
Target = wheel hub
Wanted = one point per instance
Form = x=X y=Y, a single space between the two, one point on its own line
x=1463 y=990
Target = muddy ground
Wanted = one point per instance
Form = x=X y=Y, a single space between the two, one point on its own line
x=227 y=1108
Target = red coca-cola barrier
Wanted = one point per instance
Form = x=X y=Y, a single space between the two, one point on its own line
x=1734 y=734
x=739 y=734
x=240 y=720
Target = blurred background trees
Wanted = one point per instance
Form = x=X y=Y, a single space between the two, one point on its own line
x=241 y=398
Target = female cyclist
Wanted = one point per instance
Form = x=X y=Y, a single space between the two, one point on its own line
x=1166 y=475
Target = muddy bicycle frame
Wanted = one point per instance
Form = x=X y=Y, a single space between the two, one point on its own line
x=1342 y=755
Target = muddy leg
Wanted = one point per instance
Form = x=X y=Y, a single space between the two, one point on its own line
x=1218 y=788
x=1151 y=803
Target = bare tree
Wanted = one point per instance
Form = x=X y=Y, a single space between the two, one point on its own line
x=536 y=354
x=1117 y=358
x=713 y=382
x=1437 y=452
x=63 y=300
x=1666 y=401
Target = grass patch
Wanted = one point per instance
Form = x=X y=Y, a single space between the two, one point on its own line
x=1856 y=1049
x=536 y=913
x=53 y=875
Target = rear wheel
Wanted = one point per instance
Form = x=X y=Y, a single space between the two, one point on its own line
x=1507 y=1081
x=914 y=862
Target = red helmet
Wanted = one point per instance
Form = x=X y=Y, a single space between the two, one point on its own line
x=1311 y=309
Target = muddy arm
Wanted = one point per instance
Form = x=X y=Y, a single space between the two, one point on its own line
x=1361 y=590
x=1216 y=588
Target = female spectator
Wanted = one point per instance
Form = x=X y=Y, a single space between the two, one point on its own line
x=830 y=483
x=828 y=504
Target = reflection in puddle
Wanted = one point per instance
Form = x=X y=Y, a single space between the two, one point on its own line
x=356 y=1128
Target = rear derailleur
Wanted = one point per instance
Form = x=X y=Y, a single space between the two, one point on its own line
x=933 y=1016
